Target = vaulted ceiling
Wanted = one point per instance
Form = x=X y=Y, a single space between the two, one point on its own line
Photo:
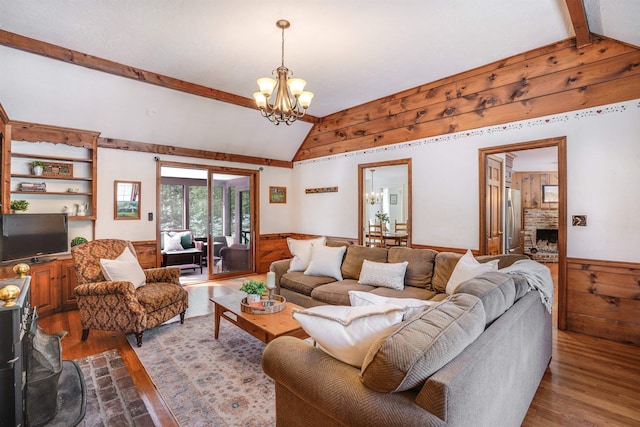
x=350 y=52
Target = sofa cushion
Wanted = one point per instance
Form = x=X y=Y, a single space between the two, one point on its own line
x=337 y=293
x=496 y=290
x=172 y=242
x=356 y=254
x=467 y=268
x=407 y=292
x=412 y=306
x=345 y=332
x=420 y=346
x=186 y=239
x=420 y=268
x=301 y=251
x=296 y=281
x=325 y=261
x=385 y=274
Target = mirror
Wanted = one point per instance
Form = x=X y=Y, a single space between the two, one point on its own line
x=385 y=193
x=127 y=199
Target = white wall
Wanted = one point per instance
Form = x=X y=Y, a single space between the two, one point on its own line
x=135 y=166
x=603 y=174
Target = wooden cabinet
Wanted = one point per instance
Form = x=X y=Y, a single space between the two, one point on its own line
x=45 y=287
x=68 y=282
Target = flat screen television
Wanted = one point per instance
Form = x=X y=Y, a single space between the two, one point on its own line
x=33 y=235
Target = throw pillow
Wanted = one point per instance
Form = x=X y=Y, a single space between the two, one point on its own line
x=346 y=333
x=468 y=268
x=172 y=242
x=301 y=251
x=186 y=240
x=325 y=261
x=388 y=275
x=124 y=268
x=417 y=348
x=412 y=306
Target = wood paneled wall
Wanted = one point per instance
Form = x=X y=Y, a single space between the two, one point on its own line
x=146 y=252
x=530 y=186
x=603 y=299
x=548 y=80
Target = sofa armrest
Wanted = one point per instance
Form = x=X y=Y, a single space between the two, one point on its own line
x=279 y=267
x=322 y=384
x=162 y=274
x=105 y=288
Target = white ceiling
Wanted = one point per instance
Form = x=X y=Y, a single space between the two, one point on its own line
x=350 y=52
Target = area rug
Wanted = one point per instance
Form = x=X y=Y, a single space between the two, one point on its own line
x=112 y=398
x=209 y=382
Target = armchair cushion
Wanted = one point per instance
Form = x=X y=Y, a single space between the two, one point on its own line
x=125 y=267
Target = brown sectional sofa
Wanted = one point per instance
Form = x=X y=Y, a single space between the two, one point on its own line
x=426 y=277
x=487 y=380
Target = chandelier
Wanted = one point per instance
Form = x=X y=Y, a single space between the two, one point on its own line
x=291 y=100
x=373 y=197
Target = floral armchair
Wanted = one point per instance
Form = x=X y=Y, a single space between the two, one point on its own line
x=119 y=305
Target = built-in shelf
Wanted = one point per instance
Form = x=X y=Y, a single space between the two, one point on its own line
x=45 y=157
x=57 y=193
x=41 y=177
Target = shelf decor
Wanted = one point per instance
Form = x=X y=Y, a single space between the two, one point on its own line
x=57 y=169
x=321 y=190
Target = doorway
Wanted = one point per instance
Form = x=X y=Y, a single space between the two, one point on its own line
x=560 y=145
x=219 y=206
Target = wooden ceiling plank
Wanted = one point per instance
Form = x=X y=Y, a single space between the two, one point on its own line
x=145 y=147
x=52 y=51
x=579 y=21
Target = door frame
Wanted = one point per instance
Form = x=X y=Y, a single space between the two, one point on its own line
x=561 y=144
x=254 y=185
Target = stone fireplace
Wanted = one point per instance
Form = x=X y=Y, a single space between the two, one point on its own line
x=541 y=234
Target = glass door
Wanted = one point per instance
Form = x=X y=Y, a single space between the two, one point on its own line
x=232 y=210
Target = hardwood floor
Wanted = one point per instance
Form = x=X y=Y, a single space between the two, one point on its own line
x=590 y=381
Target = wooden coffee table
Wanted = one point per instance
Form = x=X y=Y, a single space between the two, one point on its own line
x=265 y=327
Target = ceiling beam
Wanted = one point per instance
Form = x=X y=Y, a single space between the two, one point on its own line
x=52 y=51
x=579 y=21
x=145 y=147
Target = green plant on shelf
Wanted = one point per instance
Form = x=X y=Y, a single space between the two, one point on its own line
x=253 y=287
x=36 y=163
x=19 y=205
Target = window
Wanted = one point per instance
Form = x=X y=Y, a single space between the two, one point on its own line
x=183 y=205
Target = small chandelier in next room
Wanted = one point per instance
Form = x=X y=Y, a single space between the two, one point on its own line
x=291 y=100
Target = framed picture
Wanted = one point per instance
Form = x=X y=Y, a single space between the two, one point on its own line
x=393 y=199
x=549 y=194
x=126 y=204
x=277 y=194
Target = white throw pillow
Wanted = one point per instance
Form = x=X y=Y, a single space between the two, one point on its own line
x=124 y=268
x=301 y=251
x=468 y=268
x=172 y=243
x=412 y=306
x=347 y=333
x=386 y=274
x=326 y=261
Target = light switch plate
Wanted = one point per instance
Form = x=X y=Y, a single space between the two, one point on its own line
x=579 y=220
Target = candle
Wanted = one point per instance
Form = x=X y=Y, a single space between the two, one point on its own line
x=271 y=280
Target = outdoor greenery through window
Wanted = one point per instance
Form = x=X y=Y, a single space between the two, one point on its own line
x=173 y=214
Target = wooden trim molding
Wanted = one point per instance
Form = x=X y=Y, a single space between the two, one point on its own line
x=70 y=56
x=145 y=147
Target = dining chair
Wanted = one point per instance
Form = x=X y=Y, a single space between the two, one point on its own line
x=401 y=227
x=374 y=236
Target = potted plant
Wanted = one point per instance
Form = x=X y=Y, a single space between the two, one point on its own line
x=383 y=218
x=254 y=289
x=18 y=206
x=78 y=241
x=37 y=167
